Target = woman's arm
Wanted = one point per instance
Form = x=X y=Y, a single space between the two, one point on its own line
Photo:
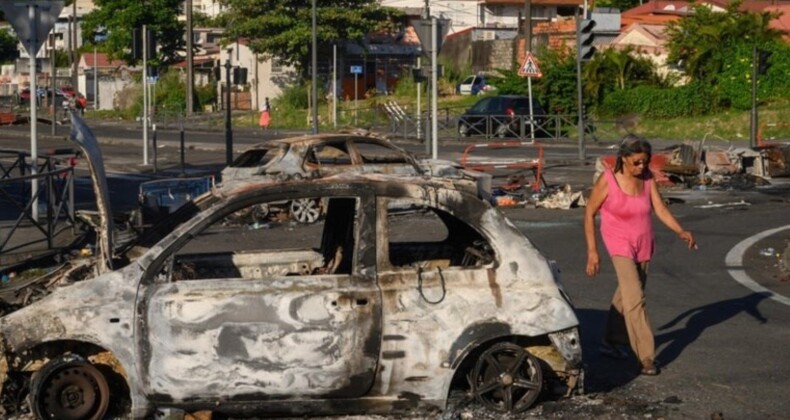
x=666 y=217
x=597 y=197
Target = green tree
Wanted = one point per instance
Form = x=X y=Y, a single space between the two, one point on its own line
x=697 y=40
x=8 y=44
x=615 y=69
x=621 y=5
x=118 y=18
x=283 y=28
x=557 y=87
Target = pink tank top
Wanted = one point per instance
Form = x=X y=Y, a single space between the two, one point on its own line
x=626 y=221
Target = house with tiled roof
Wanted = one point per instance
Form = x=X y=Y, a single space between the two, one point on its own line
x=100 y=79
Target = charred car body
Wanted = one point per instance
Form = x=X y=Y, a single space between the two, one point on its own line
x=410 y=287
x=364 y=322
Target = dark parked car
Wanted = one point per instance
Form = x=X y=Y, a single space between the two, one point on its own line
x=501 y=116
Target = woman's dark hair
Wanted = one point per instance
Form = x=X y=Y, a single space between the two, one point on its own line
x=631 y=145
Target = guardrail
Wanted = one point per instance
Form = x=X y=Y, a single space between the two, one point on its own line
x=56 y=195
x=399 y=119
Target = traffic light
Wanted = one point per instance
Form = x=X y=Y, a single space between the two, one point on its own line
x=586 y=38
x=762 y=63
x=137 y=44
x=239 y=75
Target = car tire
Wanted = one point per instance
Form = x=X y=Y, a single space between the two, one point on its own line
x=463 y=130
x=501 y=131
x=69 y=387
x=506 y=378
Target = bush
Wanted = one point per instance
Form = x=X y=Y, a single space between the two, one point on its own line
x=690 y=100
x=734 y=82
x=294 y=97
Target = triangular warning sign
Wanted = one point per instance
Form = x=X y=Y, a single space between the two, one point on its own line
x=32 y=20
x=530 y=67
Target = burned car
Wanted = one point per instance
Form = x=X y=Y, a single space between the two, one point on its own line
x=323 y=155
x=410 y=287
x=329 y=154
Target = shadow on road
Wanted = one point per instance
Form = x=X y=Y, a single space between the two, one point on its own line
x=701 y=318
x=602 y=374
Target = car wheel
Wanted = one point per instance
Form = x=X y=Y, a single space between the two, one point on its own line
x=501 y=131
x=506 y=378
x=306 y=210
x=260 y=212
x=69 y=388
x=463 y=130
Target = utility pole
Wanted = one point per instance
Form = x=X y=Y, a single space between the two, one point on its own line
x=528 y=25
x=190 y=66
x=314 y=96
x=74 y=64
x=53 y=71
x=145 y=94
x=228 y=131
x=425 y=16
x=753 y=119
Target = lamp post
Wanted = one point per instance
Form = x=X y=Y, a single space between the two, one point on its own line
x=228 y=131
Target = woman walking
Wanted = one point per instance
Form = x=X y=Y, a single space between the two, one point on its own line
x=625 y=198
x=265 y=114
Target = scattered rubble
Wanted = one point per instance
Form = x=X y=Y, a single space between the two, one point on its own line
x=695 y=166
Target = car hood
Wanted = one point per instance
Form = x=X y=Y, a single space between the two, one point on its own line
x=82 y=135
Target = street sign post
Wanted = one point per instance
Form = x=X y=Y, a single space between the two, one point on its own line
x=530 y=69
x=432 y=33
x=356 y=71
x=32 y=21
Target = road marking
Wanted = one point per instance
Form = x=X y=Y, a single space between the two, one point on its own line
x=734 y=261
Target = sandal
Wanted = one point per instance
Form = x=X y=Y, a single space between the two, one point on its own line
x=614 y=352
x=650 y=369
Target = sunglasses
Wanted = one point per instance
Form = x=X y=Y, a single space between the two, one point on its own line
x=641 y=162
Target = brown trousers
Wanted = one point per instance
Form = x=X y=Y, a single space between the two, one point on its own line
x=628 y=322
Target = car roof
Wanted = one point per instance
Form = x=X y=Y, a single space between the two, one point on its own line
x=312 y=139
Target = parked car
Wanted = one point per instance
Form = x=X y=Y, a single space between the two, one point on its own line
x=24 y=94
x=368 y=311
x=473 y=85
x=334 y=153
x=502 y=116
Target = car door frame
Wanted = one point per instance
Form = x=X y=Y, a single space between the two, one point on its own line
x=363 y=273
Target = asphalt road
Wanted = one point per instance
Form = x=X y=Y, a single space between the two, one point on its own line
x=722 y=345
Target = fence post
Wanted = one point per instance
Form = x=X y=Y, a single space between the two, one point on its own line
x=50 y=227
x=71 y=199
x=181 y=144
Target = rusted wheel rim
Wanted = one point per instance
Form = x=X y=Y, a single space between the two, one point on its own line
x=75 y=392
x=507 y=378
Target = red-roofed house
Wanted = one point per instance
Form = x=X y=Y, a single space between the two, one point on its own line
x=113 y=77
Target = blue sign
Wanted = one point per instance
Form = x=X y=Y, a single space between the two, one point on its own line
x=356 y=69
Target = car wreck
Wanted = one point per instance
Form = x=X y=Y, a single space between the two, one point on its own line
x=410 y=287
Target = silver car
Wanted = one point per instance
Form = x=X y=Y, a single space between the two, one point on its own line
x=410 y=287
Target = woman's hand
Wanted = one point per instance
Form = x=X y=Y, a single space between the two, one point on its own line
x=593 y=263
x=689 y=238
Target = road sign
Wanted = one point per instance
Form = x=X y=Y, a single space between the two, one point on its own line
x=32 y=20
x=530 y=67
x=356 y=69
x=423 y=29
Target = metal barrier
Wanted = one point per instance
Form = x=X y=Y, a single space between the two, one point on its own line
x=57 y=194
x=535 y=165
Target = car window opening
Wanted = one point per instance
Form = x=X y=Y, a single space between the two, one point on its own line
x=444 y=241
x=245 y=245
